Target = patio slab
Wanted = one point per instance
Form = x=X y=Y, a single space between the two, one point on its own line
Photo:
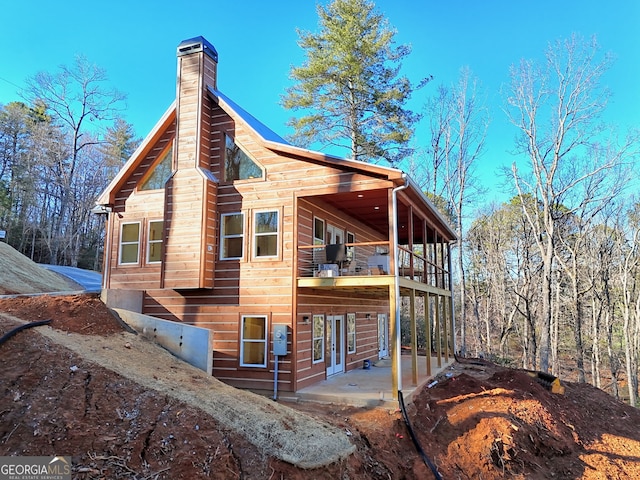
x=369 y=387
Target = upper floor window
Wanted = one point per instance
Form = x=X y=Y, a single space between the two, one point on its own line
x=237 y=164
x=351 y=250
x=160 y=174
x=318 y=231
x=154 y=241
x=129 y=243
x=232 y=236
x=266 y=237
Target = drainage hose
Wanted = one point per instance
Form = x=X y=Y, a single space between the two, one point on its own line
x=11 y=333
x=426 y=460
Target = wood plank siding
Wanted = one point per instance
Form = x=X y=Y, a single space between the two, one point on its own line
x=190 y=217
x=194 y=283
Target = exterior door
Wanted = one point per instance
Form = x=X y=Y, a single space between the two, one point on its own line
x=334 y=235
x=334 y=354
x=383 y=335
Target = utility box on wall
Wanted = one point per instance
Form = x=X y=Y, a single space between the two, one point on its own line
x=280 y=339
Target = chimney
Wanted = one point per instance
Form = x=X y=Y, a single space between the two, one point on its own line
x=197 y=70
x=200 y=44
x=190 y=194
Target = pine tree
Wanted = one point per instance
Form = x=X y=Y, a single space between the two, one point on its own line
x=349 y=88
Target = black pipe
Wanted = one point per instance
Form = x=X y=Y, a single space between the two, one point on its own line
x=11 y=333
x=426 y=460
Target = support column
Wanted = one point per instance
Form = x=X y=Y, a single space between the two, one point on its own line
x=394 y=327
x=445 y=327
x=436 y=299
x=427 y=327
x=452 y=333
x=414 y=337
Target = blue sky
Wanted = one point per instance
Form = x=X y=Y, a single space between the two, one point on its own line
x=135 y=42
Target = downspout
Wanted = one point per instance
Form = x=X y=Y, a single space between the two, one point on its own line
x=107 y=211
x=396 y=282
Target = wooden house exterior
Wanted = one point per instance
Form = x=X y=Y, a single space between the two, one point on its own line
x=224 y=225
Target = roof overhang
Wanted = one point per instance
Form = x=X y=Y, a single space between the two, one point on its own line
x=107 y=197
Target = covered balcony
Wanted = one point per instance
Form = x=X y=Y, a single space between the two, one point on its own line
x=370 y=263
x=405 y=256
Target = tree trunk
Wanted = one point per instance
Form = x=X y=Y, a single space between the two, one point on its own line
x=463 y=296
x=545 y=323
x=577 y=330
x=595 y=343
x=613 y=360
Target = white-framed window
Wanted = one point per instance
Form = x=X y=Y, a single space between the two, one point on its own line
x=266 y=233
x=129 y=243
x=351 y=251
x=318 y=338
x=318 y=231
x=231 y=236
x=253 y=341
x=351 y=333
x=154 y=241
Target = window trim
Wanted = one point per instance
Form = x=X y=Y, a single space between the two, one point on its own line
x=149 y=242
x=255 y=235
x=121 y=243
x=351 y=251
x=321 y=319
x=319 y=240
x=223 y=236
x=349 y=334
x=265 y=341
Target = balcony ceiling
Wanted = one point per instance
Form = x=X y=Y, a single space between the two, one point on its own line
x=371 y=207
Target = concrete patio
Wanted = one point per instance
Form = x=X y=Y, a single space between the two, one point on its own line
x=369 y=387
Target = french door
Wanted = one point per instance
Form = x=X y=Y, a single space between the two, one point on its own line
x=334 y=353
x=334 y=234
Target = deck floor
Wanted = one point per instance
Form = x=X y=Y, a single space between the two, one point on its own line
x=370 y=387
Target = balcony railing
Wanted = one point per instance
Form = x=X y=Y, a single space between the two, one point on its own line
x=369 y=259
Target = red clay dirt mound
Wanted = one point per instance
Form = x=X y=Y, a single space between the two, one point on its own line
x=83 y=314
x=491 y=422
x=480 y=421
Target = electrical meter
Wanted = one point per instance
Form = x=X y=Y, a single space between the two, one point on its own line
x=280 y=340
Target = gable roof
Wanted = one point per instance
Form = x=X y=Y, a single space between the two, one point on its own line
x=256 y=125
x=270 y=140
x=276 y=143
x=169 y=116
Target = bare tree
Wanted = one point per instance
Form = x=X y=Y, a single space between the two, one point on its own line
x=556 y=107
x=75 y=98
x=629 y=273
x=458 y=124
